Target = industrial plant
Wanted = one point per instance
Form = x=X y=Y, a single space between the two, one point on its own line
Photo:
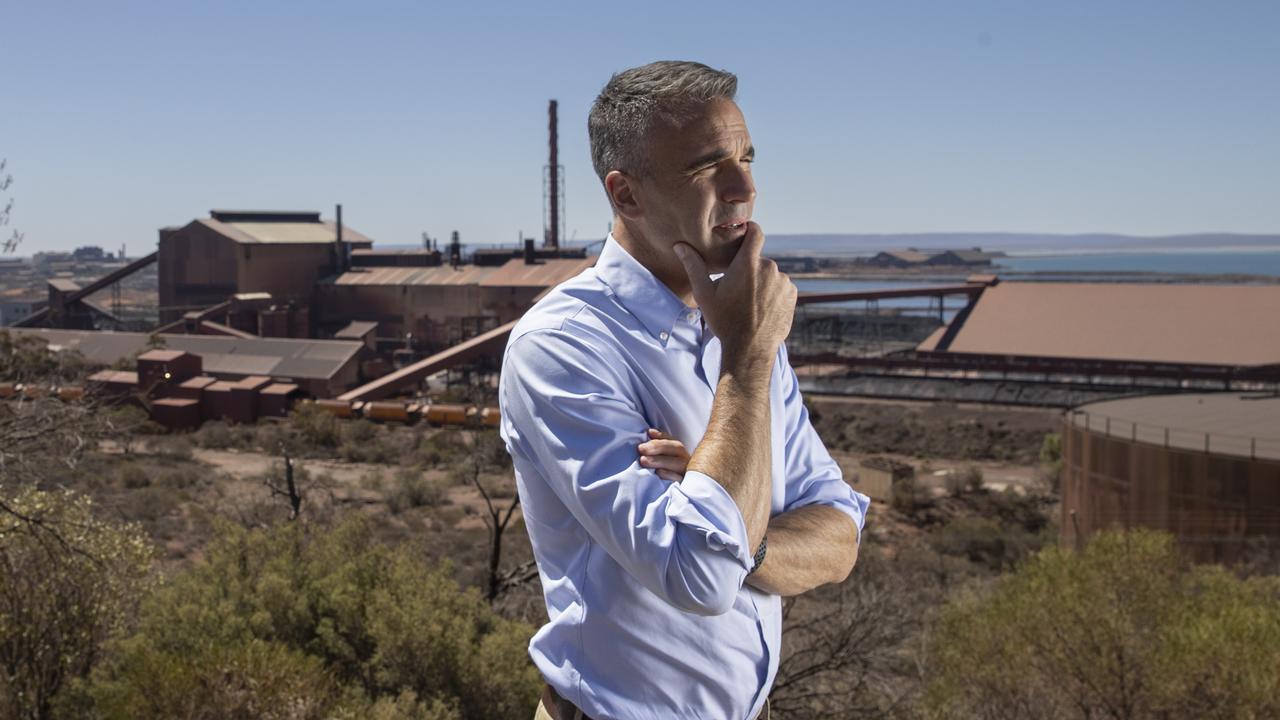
x=1171 y=390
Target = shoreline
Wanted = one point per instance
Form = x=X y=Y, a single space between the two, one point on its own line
x=933 y=276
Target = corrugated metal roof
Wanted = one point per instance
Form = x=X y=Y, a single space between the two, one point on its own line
x=277 y=233
x=442 y=275
x=276 y=357
x=1229 y=325
x=545 y=273
x=515 y=273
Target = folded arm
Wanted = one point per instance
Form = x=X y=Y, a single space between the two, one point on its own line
x=816 y=541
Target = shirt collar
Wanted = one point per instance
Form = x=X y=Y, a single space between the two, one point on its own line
x=638 y=290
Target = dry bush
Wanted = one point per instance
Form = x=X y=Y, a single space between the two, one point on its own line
x=414 y=488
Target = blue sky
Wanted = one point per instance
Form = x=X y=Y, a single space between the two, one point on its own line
x=1132 y=117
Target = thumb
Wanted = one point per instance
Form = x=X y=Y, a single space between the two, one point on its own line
x=696 y=269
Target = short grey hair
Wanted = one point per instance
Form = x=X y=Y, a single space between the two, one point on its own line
x=634 y=101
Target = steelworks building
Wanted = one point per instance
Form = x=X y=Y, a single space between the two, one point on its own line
x=1205 y=465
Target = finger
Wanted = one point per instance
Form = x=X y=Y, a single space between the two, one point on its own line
x=657 y=434
x=670 y=476
x=663 y=447
x=696 y=269
x=750 y=249
x=663 y=462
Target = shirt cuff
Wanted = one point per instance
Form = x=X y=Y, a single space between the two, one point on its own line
x=699 y=502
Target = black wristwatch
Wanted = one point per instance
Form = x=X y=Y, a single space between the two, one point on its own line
x=759 y=556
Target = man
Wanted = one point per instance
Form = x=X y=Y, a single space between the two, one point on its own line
x=664 y=598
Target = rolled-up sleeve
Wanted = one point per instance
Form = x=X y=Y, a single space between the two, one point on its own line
x=569 y=421
x=813 y=477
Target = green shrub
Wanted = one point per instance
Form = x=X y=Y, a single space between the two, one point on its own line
x=149 y=504
x=903 y=496
x=1121 y=629
x=441 y=448
x=181 y=478
x=984 y=541
x=413 y=488
x=338 y=623
x=967 y=480
x=315 y=426
x=133 y=477
x=244 y=679
x=1051 y=459
x=214 y=435
x=67 y=581
x=359 y=432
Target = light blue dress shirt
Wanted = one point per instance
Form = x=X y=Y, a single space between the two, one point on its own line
x=648 y=614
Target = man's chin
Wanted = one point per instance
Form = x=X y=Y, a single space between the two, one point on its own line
x=722 y=253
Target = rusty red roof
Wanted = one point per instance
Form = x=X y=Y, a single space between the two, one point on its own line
x=1229 y=325
x=544 y=273
x=515 y=273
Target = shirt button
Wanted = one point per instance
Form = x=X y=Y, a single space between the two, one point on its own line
x=664 y=335
x=691 y=317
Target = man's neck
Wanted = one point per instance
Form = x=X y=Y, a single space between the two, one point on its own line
x=661 y=262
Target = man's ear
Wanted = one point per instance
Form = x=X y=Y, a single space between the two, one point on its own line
x=621 y=190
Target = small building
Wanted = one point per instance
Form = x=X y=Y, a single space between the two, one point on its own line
x=960 y=258
x=877 y=478
x=18 y=304
x=157 y=368
x=898 y=259
x=14 y=266
x=796 y=263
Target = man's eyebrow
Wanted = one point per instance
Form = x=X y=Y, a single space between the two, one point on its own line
x=715 y=156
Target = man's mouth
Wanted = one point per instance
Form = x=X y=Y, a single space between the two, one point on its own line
x=731 y=226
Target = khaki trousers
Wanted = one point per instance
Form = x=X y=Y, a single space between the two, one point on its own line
x=542 y=713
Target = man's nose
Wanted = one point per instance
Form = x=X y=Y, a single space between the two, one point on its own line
x=738 y=186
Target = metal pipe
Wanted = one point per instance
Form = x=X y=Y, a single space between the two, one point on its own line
x=342 y=252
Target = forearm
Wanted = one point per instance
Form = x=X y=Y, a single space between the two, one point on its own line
x=736 y=448
x=809 y=546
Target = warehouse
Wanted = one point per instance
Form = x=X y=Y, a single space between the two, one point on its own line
x=242 y=251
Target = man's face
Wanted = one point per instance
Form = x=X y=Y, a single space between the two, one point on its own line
x=701 y=192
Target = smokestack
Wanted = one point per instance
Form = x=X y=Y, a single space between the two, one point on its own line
x=455 y=250
x=530 y=255
x=553 y=232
